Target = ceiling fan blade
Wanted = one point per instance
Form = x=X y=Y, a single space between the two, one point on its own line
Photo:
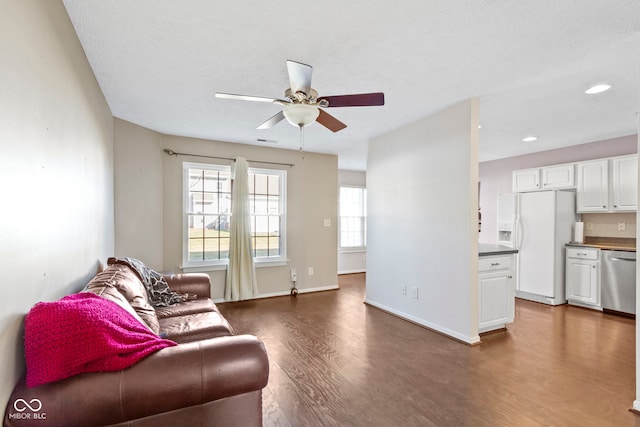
x=271 y=121
x=355 y=100
x=330 y=122
x=250 y=98
x=299 y=77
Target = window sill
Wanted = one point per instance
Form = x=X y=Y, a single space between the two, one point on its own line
x=351 y=250
x=220 y=267
x=203 y=268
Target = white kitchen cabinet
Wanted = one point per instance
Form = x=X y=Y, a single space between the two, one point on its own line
x=592 y=193
x=624 y=183
x=546 y=178
x=560 y=176
x=497 y=291
x=583 y=277
x=608 y=185
x=526 y=180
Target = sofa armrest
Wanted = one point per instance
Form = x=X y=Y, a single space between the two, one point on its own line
x=190 y=283
x=172 y=378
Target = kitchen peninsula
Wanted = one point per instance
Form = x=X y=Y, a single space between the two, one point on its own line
x=496 y=281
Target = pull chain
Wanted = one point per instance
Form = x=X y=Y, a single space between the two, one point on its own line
x=302 y=141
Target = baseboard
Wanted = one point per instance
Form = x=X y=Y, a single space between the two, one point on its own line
x=540 y=298
x=285 y=293
x=431 y=326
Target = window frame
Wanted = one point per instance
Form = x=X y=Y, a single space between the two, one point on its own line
x=221 y=264
x=363 y=247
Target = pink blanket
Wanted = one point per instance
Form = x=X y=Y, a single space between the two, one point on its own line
x=83 y=333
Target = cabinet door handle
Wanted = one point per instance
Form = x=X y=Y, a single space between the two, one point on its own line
x=493 y=264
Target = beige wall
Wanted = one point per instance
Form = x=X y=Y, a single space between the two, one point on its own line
x=56 y=169
x=422 y=190
x=138 y=189
x=312 y=196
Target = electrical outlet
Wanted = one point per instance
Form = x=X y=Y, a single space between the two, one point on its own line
x=294 y=275
x=310 y=271
x=414 y=292
x=589 y=226
x=622 y=226
x=404 y=289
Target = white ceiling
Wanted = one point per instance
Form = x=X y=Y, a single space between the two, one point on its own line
x=159 y=63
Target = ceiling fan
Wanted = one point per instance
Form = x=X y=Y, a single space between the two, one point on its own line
x=303 y=106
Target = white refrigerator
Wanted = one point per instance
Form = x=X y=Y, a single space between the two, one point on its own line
x=541 y=226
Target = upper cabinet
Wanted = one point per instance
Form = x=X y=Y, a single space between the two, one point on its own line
x=608 y=185
x=547 y=178
x=593 y=186
x=602 y=185
x=560 y=176
x=526 y=180
x=624 y=180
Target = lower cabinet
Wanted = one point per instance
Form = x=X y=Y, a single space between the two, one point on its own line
x=583 y=277
x=497 y=291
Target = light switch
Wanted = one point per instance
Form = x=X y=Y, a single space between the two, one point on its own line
x=327 y=222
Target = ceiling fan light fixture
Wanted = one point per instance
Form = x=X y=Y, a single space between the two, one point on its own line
x=597 y=89
x=301 y=114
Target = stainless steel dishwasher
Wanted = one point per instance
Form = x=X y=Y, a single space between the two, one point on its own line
x=619 y=281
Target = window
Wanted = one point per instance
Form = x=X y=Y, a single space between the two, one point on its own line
x=207 y=214
x=353 y=217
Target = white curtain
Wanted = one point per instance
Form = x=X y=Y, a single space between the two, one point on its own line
x=241 y=272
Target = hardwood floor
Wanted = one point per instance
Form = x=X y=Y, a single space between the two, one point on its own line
x=337 y=362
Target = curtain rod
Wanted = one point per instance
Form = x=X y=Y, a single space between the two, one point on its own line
x=175 y=153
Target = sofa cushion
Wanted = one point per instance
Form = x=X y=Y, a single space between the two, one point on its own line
x=195 y=327
x=158 y=290
x=201 y=305
x=120 y=284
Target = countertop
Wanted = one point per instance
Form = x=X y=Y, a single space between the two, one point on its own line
x=607 y=243
x=604 y=247
x=487 y=249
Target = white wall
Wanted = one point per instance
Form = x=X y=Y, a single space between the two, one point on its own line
x=422 y=185
x=352 y=261
x=636 y=402
x=56 y=169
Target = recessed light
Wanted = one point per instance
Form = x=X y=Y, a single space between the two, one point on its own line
x=530 y=138
x=597 y=89
x=479 y=126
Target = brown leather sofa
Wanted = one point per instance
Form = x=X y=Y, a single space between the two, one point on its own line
x=212 y=378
